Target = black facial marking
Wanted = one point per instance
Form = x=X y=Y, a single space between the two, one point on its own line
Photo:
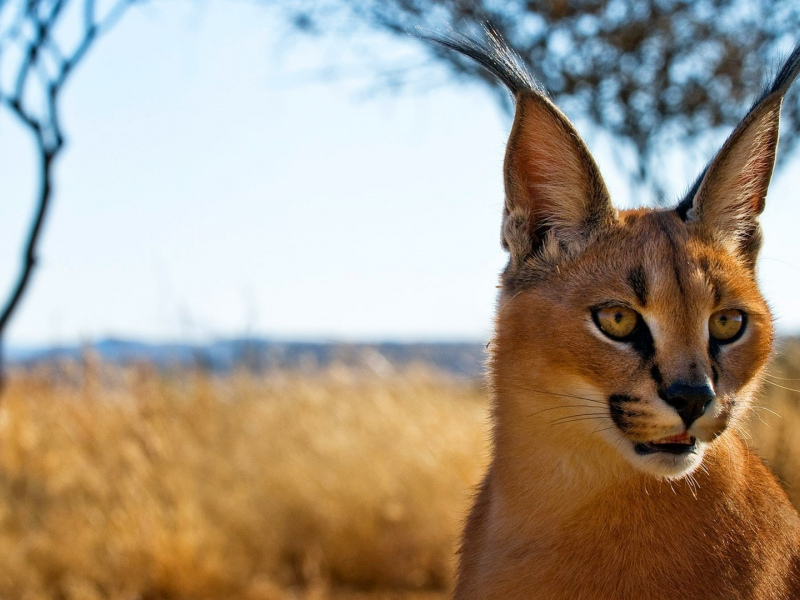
x=638 y=282
x=660 y=390
x=641 y=340
x=716 y=292
x=619 y=413
x=714 y=374
x=712 y=280
x=655 y=373
x=713 y=349
x=675 y=267
x=676 y=257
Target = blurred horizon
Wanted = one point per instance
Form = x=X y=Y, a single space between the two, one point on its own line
x=227 y=177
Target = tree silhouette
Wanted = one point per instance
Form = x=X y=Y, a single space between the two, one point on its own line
x=649 y=72
x=35 y=66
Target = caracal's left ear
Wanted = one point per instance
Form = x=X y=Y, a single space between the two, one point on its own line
x=556 y=200
x=725 y=202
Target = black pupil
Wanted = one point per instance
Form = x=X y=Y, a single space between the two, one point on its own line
x=723 y=320
x=618 y=317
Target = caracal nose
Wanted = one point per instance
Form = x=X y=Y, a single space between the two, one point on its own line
x=691 y=401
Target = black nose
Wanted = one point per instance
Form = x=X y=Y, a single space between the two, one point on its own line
x=691 y=401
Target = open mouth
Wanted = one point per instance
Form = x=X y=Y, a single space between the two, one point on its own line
x=676 y=444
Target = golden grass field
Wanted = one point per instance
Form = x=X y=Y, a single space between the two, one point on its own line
x=131 y=484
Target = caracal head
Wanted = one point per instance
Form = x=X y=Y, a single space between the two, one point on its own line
x=644 y=329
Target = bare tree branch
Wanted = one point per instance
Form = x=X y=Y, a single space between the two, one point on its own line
x=34 y=99
x=649 y=72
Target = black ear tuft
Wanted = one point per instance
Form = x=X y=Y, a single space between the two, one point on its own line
x=785 y=77
x=555 y=196
x=493 y=54
x=727 y=198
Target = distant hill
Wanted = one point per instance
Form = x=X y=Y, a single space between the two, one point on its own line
x=458 y=358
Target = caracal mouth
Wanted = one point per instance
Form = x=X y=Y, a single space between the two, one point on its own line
x=671 y=457
x=674 y=444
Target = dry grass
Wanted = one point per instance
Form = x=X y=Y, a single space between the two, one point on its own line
x=141 y=486
x=775 y=423
x=127 y=484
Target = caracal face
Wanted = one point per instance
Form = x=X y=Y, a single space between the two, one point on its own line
x=628 y=346
x=645 y=328
x=658 y=334
x=649 y=321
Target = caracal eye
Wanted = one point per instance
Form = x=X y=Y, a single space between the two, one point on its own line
x=725 y=325
x=617 y=322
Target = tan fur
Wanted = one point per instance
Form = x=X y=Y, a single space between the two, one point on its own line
x=568 y=508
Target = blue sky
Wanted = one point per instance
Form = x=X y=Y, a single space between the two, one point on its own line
x=215 y=186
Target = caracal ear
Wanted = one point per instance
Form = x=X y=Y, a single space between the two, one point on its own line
x=555 y=196
x=725 y=202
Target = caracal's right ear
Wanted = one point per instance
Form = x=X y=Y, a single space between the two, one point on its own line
x=556 y=199
x=730 y=194
x=555 y=196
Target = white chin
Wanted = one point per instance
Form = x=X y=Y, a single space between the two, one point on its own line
x=663 y=464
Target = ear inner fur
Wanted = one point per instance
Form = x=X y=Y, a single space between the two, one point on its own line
x=555 y=197
x=553 y=185
x=725 y=202
x=733 y=190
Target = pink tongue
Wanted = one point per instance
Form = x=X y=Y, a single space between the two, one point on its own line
x=683 y=438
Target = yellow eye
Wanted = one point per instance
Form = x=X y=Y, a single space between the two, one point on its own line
x=616 y=321
x=725 y=325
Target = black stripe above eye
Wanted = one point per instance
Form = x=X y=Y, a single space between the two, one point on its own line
x=637 y=279
x=711 y=278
